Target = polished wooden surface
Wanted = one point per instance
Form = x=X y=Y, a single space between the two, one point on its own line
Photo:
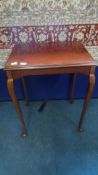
x=31 y=57
x=49 y=59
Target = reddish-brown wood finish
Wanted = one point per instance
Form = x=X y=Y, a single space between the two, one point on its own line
x=48 y=56
x=49 y=59
x=73 y=87
x=25 y=91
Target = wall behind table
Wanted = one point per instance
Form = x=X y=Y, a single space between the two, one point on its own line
x=25 y=21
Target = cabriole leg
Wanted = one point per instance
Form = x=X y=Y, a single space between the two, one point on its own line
x=88 y=97
x=12 y=93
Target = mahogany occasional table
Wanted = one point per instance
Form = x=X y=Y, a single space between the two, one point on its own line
x=49 y=59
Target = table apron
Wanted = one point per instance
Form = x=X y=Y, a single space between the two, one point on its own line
x=20 y=73
x=16 y=74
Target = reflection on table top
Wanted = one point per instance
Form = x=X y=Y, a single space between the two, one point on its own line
x=48 y=56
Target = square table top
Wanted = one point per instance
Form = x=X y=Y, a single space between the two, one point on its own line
x=48 y=56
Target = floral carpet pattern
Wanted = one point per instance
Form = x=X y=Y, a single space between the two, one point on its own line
x=87 y=34
x=43 y=12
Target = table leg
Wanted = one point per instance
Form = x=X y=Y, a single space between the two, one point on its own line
x=73 y=88
x=12 y=93
x=25 y=91
x=90 y=90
